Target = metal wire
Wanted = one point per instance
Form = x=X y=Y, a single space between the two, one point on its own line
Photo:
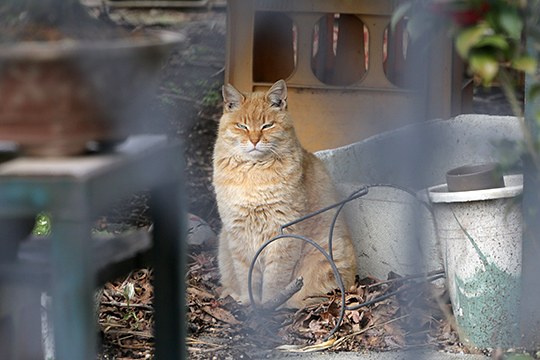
x=321 y=250
x=363 y=191
x=355 y=195
x=329 y=255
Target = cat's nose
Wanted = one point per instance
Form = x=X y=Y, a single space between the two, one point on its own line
x=254 y=140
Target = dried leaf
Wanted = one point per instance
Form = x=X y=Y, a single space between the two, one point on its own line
x=356 y=316
x=199 y=293
x=221 y=314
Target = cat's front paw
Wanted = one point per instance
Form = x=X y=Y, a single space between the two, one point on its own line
x=240 y=299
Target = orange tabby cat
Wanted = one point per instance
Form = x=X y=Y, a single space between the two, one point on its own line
x=263 y=178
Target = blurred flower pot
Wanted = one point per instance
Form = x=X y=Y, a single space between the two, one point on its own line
x=57 y=96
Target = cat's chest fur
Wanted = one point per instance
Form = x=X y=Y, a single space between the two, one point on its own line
x=257 y=200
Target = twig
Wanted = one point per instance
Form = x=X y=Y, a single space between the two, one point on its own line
x=107 y=326
x=141 y=334
x=194 y=341
x=107 y=295
x=284 y=295
x=180 y=97
x=216 y=64
x=222 y=70
x=408 y=277
x=216 y=348
x=121 y=304
x=133 y=347
x=212 y=346
x=333 y=342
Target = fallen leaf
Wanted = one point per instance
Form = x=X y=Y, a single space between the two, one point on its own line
x=199 y=293
x=221 y=314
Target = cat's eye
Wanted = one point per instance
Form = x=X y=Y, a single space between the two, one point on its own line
x=241 y=126
x=267 y=126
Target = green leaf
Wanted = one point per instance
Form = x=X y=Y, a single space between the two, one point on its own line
x=485 y=65
x=469 y=38
x=525 y=63
x=496 y=41
x=512 y=23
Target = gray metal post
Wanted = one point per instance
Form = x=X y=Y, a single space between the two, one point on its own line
x=530 y=281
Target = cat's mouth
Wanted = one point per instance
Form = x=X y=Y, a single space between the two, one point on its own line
x=256 y=153
x=255 y=150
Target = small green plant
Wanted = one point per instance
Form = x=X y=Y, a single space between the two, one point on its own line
x=212 y=97
x=129 y=293
x=43 y=225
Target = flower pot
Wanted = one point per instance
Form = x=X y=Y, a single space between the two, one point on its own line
x=480 y=234
x=56 y=96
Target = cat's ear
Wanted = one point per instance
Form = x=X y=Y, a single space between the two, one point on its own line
x=277 y=95
x=232 y=98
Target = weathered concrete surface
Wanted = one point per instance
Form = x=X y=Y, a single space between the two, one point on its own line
x=442 y=144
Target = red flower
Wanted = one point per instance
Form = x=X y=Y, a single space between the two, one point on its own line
x=470 y=16
x=462 y=14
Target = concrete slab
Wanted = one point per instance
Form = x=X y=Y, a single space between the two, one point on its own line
x=440 y=144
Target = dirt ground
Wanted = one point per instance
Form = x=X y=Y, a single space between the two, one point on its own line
x=189 y=102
